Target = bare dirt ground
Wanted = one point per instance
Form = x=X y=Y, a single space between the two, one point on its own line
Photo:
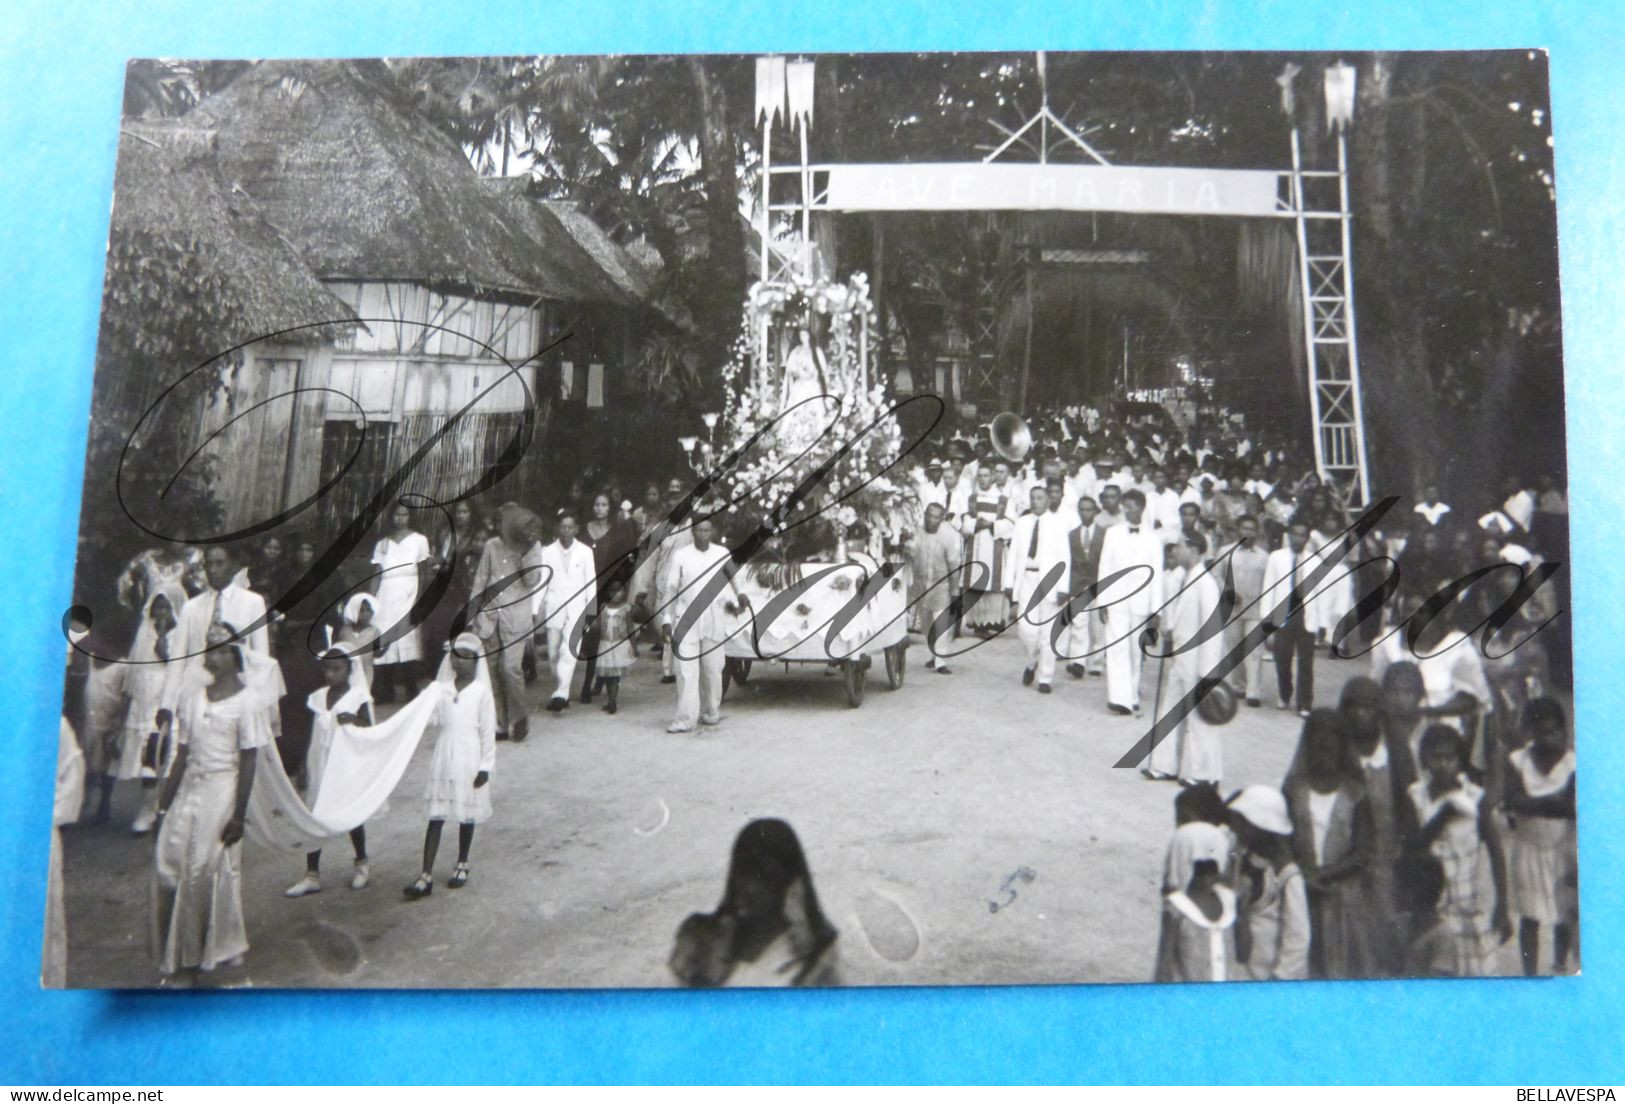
x=961 y=830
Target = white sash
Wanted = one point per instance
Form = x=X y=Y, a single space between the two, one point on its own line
x=363 y=767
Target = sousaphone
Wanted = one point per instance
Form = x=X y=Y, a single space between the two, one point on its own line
x=1010 y=436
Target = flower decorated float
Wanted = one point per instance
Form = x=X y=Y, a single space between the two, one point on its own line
x=814 y=448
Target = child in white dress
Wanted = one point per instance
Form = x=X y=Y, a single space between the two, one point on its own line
x=465 y=752
x=1198 y=941
x=1455 y=826
x=1542 y=860
x=617 y=636
x=343 y=698
x=358 y=636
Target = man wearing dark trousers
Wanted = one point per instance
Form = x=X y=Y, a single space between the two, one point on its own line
x=1085 y=632
x=1294 y=641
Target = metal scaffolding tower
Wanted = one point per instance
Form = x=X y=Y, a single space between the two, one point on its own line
x=1320 y=205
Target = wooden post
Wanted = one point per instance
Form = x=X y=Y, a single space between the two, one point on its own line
x=1027 y=345
x=880 y=278
x=296 y=428
x=761 y=367
x=767 y=190
x=1125 y=359
x=808 y=273
x=863 y=347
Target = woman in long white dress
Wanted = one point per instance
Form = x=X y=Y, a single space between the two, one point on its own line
x=460 y=766
x=402 y=558
x=197 y=883
x=153 y=682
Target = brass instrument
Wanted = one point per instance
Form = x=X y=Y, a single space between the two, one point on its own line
x=1010 y=436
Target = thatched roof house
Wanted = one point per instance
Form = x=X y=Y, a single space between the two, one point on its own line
x=367 y=189
x=171 y=202
x=306 y=192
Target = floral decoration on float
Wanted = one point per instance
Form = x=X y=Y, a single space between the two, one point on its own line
x=801 y=367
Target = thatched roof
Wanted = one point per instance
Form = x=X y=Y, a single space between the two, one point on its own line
x=169 y=197
x=629 y=274
x=561 y=244
x=368 y=189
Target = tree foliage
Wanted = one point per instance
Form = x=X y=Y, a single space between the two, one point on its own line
x=1453 y=235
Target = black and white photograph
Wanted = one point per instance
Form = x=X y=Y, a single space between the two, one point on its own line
x=924 y=519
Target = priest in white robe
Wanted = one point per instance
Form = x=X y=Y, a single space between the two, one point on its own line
x=1191 y=751
x=1129 y=604
x=987 y=525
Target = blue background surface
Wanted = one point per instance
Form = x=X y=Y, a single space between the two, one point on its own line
x=61 y=76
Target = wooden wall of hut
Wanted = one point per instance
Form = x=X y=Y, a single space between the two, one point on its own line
x=448 y=471
x=263 y=429
x=416 y=321
x=292 y=418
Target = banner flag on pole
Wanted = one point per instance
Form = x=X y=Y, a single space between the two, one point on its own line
x=1339 y=95
x=1289 y=74
x=769 y=88
x=798 y=82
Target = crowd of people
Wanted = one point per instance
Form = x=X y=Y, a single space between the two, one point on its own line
x=226 y=657
x=1419 y=818
x=1125 y=530
x=1382 y=853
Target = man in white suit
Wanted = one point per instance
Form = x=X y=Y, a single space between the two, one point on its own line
x=699 y=647
x=1242 y=566
x=1130 y=604
x=564 y=600
x=1162 y=507
x=650 y=579
x=224 y=602
x=1191 y=751
x=1040 y=565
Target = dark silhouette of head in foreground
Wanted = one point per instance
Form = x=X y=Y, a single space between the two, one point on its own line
x=769 y=894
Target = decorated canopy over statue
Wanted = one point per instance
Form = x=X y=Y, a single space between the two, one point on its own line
x=801 y=398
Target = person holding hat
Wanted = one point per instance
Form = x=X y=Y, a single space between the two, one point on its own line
x=1272 y=934
x=1198 y=931
x=1191 y=751
x=1130 y=604
x=465 y=753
